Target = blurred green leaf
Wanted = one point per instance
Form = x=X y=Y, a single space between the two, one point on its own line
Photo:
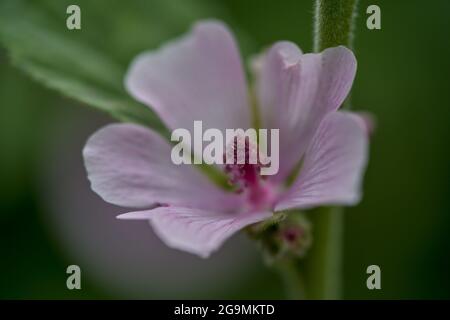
x=89 y=64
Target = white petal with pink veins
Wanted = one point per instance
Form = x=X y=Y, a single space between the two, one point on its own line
x=297 y=90
x=193 y=230
x=130 y=165
x=196 y=77
x=333 y=166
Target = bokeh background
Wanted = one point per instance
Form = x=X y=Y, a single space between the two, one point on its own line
x=50 y=219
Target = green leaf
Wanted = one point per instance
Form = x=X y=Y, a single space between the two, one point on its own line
x=89 y=64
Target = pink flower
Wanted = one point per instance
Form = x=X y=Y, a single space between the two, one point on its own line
x=200 y=77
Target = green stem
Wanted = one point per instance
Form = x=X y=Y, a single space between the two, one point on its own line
x=333 y=24
x=292 y=279
x=323 y=266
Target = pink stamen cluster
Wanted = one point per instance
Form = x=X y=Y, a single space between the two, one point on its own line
x=245 y=176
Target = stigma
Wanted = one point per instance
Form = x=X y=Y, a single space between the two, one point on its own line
x=242 y=165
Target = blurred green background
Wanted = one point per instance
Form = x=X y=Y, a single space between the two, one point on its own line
x=49 y=218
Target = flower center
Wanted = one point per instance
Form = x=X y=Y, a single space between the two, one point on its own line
x=243 y=168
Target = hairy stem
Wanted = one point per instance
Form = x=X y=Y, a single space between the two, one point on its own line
x=323 y=267
x=333 y=23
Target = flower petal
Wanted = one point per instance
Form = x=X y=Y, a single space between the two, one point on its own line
x=130 y=165
x=367 y=121
x=333 y=165
x=197 y=77
x=297 y=90
x=196 y=231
